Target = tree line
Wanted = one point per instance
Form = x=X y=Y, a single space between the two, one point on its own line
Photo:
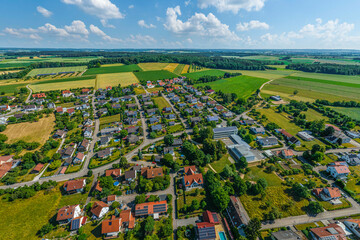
x=341 y=69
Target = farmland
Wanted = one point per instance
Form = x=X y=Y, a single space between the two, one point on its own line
x=112 y=69
x=152 y=66
x=10 y=88
x=154 y=75
x=178 y=70
x=243 y=86
x=110 y=119
x=171 y=67
x=35 y=72
x=31 y=132
x=185 y=69
x=63 y=85
x=114 y=79
x=197 y=75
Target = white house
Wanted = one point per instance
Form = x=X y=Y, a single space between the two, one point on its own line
x=338 y=170
x=99 y=209
x=354 y=226
x=67 y=213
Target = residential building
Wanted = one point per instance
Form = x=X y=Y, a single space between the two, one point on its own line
x=79 y=158
x=212 y=118
x=354 y=226
x=84 y=145
x=195 y=120
x=287 y=153
x=247 y=122
x=69 y=151
x=157 y=127
x=205 y=231
x=267 y=141
x=104 y=153
x=109 y=130
x=130 y=175
x=88 y=132
x=331 y=231
x=104 y=141
x=338 y=170
x=352 y=134
x=66 y=93
x=177 y=142
x=169 y=150
x=74 y=186
x=236 y=213
x=193 y=181
x=257 y=130
x=211 y=217
x=151 y=209
x=351 y=159
x=290 y=138
x=37 y=168
x=151 y=172
x=127 y=219
x=114 y=173
x=328 y=193
x=59 y=134
x=99 y=209
x=224 y=132
x=68 y=213
x=132 y=139
x=305 y=135
x=77 y=223
x=110 y=228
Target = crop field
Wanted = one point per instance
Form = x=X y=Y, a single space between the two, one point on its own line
x=31 y=132
x=197 y=75
x=112 y=69
x=73 y=79
x=243 y=86
x=11 y=88
x=112 y=65
x=185 y=69
x=268 y=74
x=312 y=115
x=114 y=79
x=151 y=66
x=37 y=71
x=161 y=102
x=154 y=75
x=178 y=70
x=171 y=67
x=350 y=112
x=331 y=77
x=61 y=85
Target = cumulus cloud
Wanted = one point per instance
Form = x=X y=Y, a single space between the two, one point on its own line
x=140 y=39
x=233 y=5
x=103 y=9
x=44 y=11
x=97 y=31
x=199 y=24
x=254 y=24
x=77 y=27
x=131 y=6
x=143 y=24
x=105 y=23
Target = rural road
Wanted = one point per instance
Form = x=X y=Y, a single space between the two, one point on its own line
x=28 y=98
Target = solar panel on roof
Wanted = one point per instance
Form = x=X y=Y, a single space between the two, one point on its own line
x=215 y=218
x=75 y=224
x=207 y=233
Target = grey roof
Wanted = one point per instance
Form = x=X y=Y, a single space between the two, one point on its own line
x=156 y=127
x=207 y=233
x=130 y=174
x=225 y=129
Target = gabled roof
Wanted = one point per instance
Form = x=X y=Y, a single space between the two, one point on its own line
x=195 y=178
x=97 y=207
x=74 y=185
x=210 y=217
x=113 y=172
x=150 y=208
x=340 y=169
x=66 y=212
x=151 y=172
x=190 y=170
x=331 y=230
x=111 y=225
x=287 y=152
x=127 y=217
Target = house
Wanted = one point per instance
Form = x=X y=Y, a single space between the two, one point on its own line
x=287 y=153
x=328 y=193
x=290 y=138
x=151 y=209
x=149 y=103
x=167 y=109
x=30 y=108
x=331 y=231
x=130 y=175
x=338 y=170
x=109 y=130
x=193 y=181
x=99 y=209
x=211 y=103
x=352 y=134
x=19 y=115
x=227 y=114
x=305 y=135
x=189 y=110
x=37 y=168
x=59 y=110
x=98 y=188
x=177 y=142
x=247 y=122
x=6 y=163
x=131 y=113
x=137 y=168
x=39 y=95
x=131 y=121
x=88 y=132
x=338 y=137
x=276 y=98
x=219 y=108
x=4 y=108
x=157 y=127
x=110 y=228
x=127 y=219
x=70 y=111
x=116 y=106
x=114 y=173
x=205 y=231
x=66 y=93
x=210 y=91
x=132 y=139
x=69 y=151
x=351 y=159
x=285 y=235
x=133 y=129
x=258 y=130
x=126 y=99
x=169 y=150
x=267 y=141
x=171 y=116
x=74 y=186
x=211 y=217
x=59 y=134
x=104 y=153
x=84 y=146
x=77 y=223
x=104 y=141
x=195 y=120
x=224 y=132
x=212 y=118
x=79 y=158
x=354 y=226
x=190 y=170
x=68 y=213
x=153 y=120
x=237 y=216
x=151 y=111
x=85 y=91
x=131 y=105
x=151 y=172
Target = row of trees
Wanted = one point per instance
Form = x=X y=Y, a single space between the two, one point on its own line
x=326 y=68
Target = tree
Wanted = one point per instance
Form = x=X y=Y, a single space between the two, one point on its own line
x=300 y=191
x=140 y=198
x=252 y=229
x=239 y=185
x=115 y=205
x=90 y=173
x=149 y=225
x=169 y=140
x=315 y=207
x=106 y=182
x=153 y=135
x=195 y=205
x=227 y=171
x=55 y=164
x=123 y=133
x=123 y=162
x=220 y=198
x=296 y=92
x=45 y=229
x=140 y=154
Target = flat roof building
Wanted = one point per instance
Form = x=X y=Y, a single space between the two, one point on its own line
x=224 y=132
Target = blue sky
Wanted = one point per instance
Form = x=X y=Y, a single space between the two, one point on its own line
x=233 y=24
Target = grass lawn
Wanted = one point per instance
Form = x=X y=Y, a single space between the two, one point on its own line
x=113 y=69
x=139 y=90
x=161 y=102
x=350 y=112
x=330 y=207
x=197 y=75
x=151 y=66
x=312 y=115
x=243 y=86
x=114 y=79
x=67 y=105
x=110 y=119
x=31 y=132
x=154 y=75
x=353 y=183
x=33 y=212
x=219 y=165
x=11 y=88
x=189 y=197
x=309 y=225
x=37 y=71
x=175 y=128
x=256 y=173
x=97 y=162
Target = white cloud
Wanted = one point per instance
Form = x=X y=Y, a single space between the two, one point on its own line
x=105 y=23
x=97 y=31
x=187 y=2
x=253 y=24
x=44 y=11
x=140 y=39
x=143 y=24
x=103 y=9
x=199 y=24
x=233 y=5
x=77 y=27
x=131 y=6
x=50 y=29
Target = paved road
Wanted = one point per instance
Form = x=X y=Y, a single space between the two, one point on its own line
x=28 y=98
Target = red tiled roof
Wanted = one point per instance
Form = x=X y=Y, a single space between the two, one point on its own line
x=127 y=217
x=190 y=170
x=150 y=206
x=111 y=198
x=152 y=172
x=209 y=217
x=287 y=152
x=285 y=133
x=59 y=109
x=38 y=167
x=74 y=184
x=324 y=232
x=80 y=155
x=111 y=225
x=4 y=168
x=70 y=110
x=97 y=207
x=205 y=225
x=113 y=172
x=190 y=179
x=4 y=159
x=65 y=91
x=39 y=95
x=341 y=169
x=66 y=212
x=332 y=126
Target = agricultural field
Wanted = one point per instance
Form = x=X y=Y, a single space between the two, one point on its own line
x=243 y=86
x=197 y=75
x=171 y=67
x=185 y=69
x=161 y=102
x=267 y=74
x=350 y=112
x=31 y=131
x=11 y=88
x=61 y=85
x=112 y=69
x=179 y=69
x=37 y=71
x=152 y=66
x=312 y=115
x=114 y=79
x=154 y=75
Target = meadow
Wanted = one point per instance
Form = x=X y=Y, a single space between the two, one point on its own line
x=161 y=102
x=37 y=71
x=114 y=79
x=11 y=88
x=110 y=119
x=61 y=85
x=197 y=75
x=152 y=66
x=31 y=131
x=154 y=75
x=350 y=112
x=243 y=86
x=112 y=69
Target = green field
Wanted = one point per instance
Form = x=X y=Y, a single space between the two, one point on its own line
x=197 y=75
x=37 y=71
x=243 y=86
x=179 y=68
x=113 y=69
x=154 y=75
x=114 y=79
x=219 y=165
x=350 y=112
x=161 y=102
x=110 y=119
x=74 y=79
x=11 y=88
